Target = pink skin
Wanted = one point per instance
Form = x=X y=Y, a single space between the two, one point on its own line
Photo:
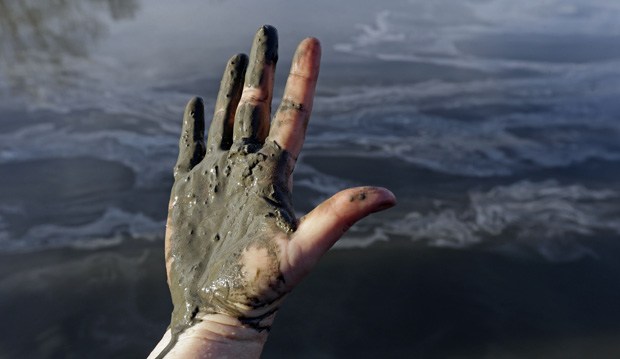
x=222 y=335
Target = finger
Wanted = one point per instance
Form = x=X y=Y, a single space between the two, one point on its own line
x=191 y=144
x=254 y=110
x=288 y=128
x=322 y=227
x=220 y=131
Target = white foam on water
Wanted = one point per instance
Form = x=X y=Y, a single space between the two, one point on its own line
x=114 y=226
x=430 y=31
x=570 y=122
x=149 y=155
x=547 y=216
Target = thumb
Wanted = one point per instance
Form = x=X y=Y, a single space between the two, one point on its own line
x=321 y=228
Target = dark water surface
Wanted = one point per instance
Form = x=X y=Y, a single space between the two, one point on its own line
x=496 y=123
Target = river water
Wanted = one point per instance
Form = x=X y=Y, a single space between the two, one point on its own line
x=496 y=123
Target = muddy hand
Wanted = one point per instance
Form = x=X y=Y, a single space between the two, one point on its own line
x=233 y=244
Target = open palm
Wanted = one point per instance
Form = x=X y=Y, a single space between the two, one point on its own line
x=233 y=244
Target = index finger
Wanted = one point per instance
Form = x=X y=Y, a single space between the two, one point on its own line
x=288 y=127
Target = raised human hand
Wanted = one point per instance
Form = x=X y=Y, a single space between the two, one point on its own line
x=234 y=247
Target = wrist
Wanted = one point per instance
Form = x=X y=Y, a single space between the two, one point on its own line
x=218 y=335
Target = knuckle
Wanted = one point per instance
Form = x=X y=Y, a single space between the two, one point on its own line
x=310 y=77
x=289 y=105
x=254 y=96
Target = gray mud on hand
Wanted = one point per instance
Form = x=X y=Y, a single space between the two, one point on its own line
x=220 y=132
x=229 y=203
x=252 y=118
x=264 y=53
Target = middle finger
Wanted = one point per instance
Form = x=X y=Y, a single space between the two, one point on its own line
x=254 y=110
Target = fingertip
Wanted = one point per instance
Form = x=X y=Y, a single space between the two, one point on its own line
x=233 y=75
x=311 y=43
x=194 y=102
x=194 y=117
x=232 y=81
x=267 y=29
x=191 y=142
x=307 y=58
x=238 y=60
x=386 y=199
x=266 y=44
x=361 y=201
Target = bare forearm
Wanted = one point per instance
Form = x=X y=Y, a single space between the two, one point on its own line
x=216 y=336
